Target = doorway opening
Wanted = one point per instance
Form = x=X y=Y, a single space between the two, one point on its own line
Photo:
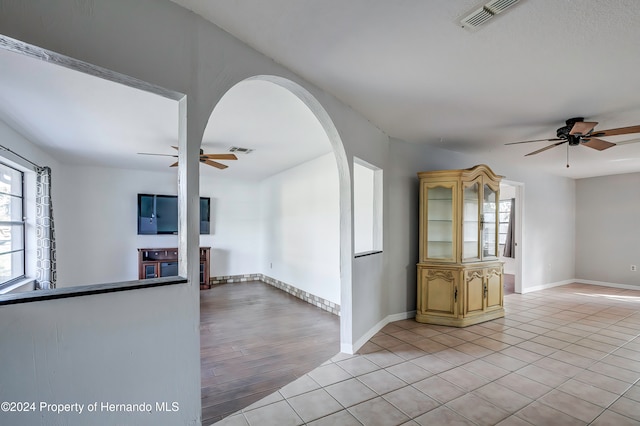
x=510 y=234
x=281 y=218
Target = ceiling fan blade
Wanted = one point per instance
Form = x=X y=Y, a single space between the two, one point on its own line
x=214 y=164
x=161 y=155
x=209 y=162
x=535 y=140
x=582 y=128
x=219 y=156
x=598 y=144
x=618 y=131
x=545 y=148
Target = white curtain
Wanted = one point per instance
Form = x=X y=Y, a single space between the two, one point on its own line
x=45 y=234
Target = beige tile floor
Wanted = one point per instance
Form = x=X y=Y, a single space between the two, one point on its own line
x=562 y=356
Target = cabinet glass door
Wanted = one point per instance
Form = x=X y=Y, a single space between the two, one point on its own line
x=440 y=222
x=489 y=229
x=150 y=271
x=471 y=222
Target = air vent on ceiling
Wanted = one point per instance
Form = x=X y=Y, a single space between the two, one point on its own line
x=240 y=150
x=486 y=12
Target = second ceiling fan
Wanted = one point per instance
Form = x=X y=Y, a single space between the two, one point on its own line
x=204 y=158
x=580 y=132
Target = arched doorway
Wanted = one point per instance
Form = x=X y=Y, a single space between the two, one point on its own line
x=261 y=107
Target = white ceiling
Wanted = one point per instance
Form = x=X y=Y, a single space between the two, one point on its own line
x=413 y=71
x=80 y=119
x=407 y=66
x=270 y=120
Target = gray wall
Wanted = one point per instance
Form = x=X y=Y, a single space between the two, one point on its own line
x=109 y=348
x=549 y=212
x=608 y=229
x=159 y=42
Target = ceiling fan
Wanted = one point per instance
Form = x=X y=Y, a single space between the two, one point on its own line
x=580 y=132
x=204 y=158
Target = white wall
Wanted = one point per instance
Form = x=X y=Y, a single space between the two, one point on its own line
x=285 y=227
x=13 y=140
x=235 y=225
x=608 y=229
x=96 y=223
x=300 y=236
x=363 y=213
x=97 y=229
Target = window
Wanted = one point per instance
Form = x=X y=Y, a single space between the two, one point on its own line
x=12 y=227
x=505 y=214
x=367 y=210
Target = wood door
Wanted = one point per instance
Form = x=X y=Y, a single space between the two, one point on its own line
x=494 y=290
x=149 y=270
x=438 y=292
x=473 y=292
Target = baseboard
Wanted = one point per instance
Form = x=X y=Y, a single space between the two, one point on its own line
x=347 y=348
x=581 y=281
x=379 y=326
x=324 y=304
x=243 y=278
x=606 y=284
x=546 y=286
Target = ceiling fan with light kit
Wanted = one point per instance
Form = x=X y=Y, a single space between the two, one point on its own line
x=580 y=132
x=204 y=158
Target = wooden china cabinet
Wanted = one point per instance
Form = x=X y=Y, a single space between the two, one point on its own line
x=459 y=273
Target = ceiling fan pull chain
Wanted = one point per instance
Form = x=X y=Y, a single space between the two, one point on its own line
x=567 y=156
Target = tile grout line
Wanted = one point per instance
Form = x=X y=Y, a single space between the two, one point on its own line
x=515 y=324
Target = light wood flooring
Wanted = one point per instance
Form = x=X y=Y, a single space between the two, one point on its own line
x=254 y=339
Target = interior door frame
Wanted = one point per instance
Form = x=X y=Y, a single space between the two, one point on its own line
x=518 y=232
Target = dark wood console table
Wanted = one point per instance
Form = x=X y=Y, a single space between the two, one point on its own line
x=163 y=262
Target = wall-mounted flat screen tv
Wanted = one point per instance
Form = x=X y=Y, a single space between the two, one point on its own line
x=158 y=214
